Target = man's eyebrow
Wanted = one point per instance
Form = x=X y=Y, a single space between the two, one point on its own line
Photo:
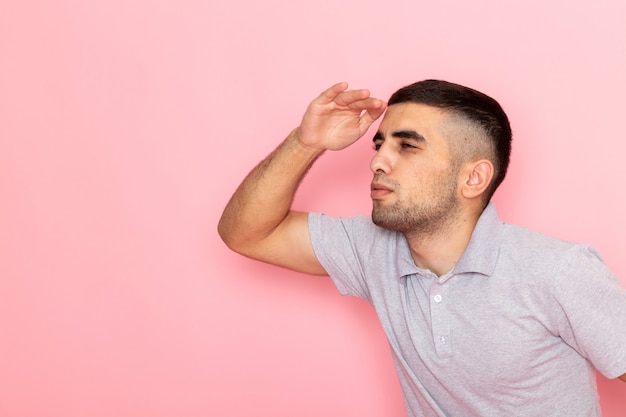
x=401 y=134
x=408 y=134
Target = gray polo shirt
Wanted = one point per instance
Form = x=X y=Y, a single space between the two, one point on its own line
x=515 y=328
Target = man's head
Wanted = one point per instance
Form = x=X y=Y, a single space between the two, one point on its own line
x=441 y=149
x=488 y=132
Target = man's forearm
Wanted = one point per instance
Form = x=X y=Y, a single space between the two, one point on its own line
x=264 y=198
x=257 y=221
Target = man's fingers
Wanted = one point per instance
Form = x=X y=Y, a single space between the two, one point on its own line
x=371 y=113
x=376 y=111
x=341 y=96
x=348 y=98
x=331 y=93
x=338 y=97
x=367 y=104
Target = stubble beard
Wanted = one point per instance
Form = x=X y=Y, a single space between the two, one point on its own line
x=420 y=219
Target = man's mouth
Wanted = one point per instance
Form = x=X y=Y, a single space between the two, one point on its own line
x=379 y=190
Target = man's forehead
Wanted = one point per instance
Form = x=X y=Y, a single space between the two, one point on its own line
x=414 y=116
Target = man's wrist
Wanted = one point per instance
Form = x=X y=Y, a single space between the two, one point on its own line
x=294 y=136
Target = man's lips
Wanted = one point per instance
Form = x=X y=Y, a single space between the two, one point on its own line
x=379 y=190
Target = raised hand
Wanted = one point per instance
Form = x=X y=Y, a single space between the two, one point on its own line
x=338 y=118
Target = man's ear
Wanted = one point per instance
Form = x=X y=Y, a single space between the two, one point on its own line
x=476 y=178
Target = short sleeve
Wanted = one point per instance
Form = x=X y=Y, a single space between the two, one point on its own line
x=335 y=242
x=594 y=306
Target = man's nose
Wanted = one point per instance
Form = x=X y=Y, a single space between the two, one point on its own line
x=381 y=161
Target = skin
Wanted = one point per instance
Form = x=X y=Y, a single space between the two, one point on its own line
x=423 y=184
x=258 y=221
x=420 y=185
x=414 y=184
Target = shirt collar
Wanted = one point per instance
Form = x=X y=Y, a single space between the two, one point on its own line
x=481 y=253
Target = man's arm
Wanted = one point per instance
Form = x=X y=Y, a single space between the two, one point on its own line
x=258 y=221
x=623 y=377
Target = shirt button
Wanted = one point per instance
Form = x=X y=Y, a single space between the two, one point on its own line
x=443 y=340
x=438 y=298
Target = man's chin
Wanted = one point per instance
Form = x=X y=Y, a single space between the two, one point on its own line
x=383 y=221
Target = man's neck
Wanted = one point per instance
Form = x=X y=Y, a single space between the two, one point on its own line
x=439 y=252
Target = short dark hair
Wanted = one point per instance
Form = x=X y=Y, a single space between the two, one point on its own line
x=473 y=105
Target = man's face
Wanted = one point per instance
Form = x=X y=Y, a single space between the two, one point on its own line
x=414 y=189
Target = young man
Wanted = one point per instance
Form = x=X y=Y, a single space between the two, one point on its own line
x=483 y=318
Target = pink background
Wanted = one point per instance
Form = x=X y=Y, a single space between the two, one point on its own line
x=126 y=125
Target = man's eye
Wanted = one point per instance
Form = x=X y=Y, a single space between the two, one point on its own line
x=407 y=145
x=376 y=146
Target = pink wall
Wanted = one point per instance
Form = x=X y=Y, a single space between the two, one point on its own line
x=126 y=125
